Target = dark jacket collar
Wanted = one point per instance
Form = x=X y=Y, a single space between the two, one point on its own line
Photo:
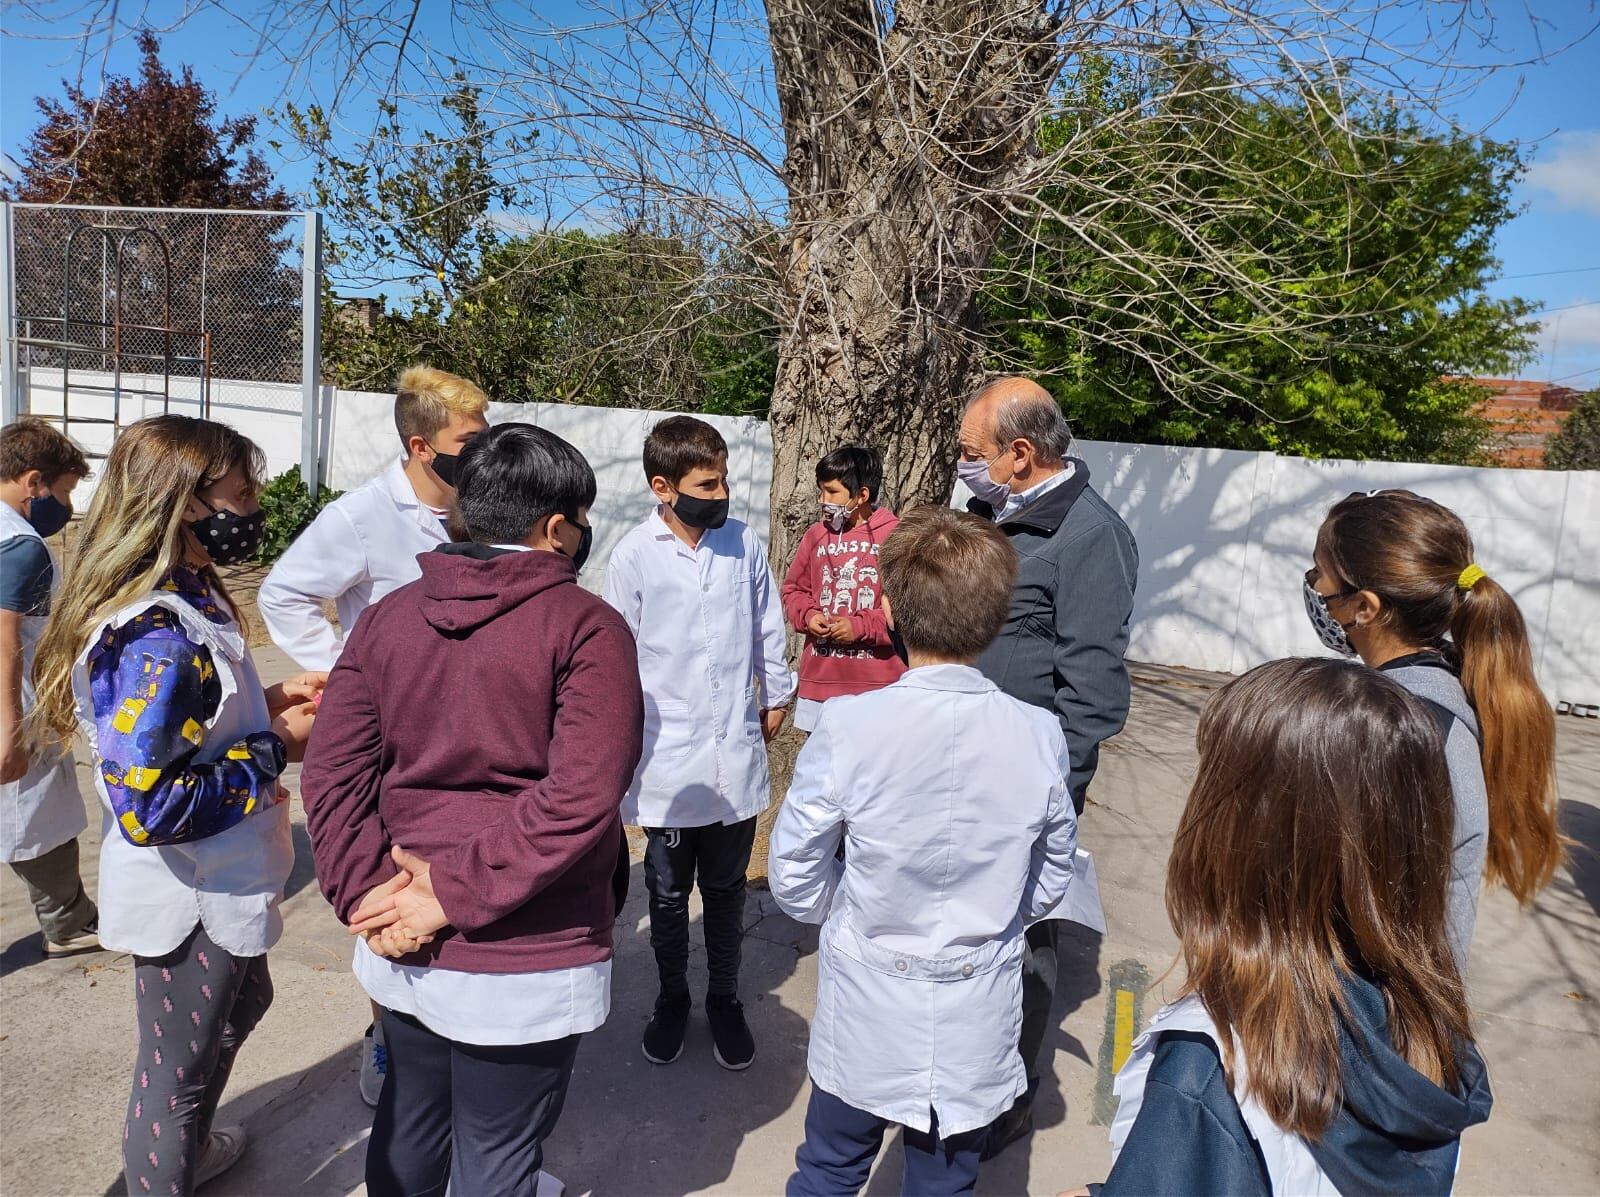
x=1045 y=513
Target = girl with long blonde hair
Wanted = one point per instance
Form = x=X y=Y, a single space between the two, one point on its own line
x=1321 y=1042
x=145 y=656
x=1394 y=581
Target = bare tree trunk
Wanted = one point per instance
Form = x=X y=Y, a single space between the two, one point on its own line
x=902 y=142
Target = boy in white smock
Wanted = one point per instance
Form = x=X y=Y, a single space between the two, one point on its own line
x=700 y=598
x=41 y=811
x=951 y=802
x=365 y=544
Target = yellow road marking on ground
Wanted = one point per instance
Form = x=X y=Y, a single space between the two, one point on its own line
x=1122 y=1043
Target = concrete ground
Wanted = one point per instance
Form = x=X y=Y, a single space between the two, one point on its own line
x=67 y=1033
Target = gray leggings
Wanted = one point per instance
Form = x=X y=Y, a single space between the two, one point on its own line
x=196 y=1005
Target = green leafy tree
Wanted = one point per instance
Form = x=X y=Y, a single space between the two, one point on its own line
x=1576 y=446
x=1378 y=234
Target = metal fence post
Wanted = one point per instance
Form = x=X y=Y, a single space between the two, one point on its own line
x=311 y=352
x=10 y=376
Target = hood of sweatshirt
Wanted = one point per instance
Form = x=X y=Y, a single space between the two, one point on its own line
x=466 y=585
x=1429 y=676
x=1397 y=1131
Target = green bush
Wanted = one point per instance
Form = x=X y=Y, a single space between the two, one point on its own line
x=289 y=507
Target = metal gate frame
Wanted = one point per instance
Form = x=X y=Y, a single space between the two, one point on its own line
x=16 y=330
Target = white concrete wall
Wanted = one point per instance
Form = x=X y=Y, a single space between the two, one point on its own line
x=1225 y=539
x=1224 y=536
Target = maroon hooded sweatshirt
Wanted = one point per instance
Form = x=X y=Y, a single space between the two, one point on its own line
x=488 y=718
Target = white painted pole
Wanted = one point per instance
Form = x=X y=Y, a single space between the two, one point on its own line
x=311 y=353
x=10 y=376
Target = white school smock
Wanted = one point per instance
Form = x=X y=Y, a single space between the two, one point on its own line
x=231 y=883
x=490 y=1009
x=1291 y=1167
x=712 y=655
x=951 y=801
x=359 y=548
x=42 y=809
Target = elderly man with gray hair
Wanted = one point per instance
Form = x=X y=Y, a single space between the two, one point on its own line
x=1062 y=643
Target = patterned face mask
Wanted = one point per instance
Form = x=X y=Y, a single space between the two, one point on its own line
x=835 y=514
x=229 y=538
x=1329 y=630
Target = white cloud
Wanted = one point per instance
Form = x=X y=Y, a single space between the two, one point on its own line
x=1573 y=329
x=1569 y=169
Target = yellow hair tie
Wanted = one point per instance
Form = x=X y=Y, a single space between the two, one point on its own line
x=1470 y=577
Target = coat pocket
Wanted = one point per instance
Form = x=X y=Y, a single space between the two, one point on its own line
x=668 y=729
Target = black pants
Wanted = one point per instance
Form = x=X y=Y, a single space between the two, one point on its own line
x=842 y=1142
x=472 y=1117
x=718 y=856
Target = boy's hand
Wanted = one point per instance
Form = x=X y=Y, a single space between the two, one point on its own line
x=376 y=911
x=305 y=687
x=840 y=631
x=818 y=625
x=772 y=722
x=419 y=911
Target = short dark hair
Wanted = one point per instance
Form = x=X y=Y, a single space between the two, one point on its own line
x=514 y=475
x=31 y=444
x=948 y=576
x=679 y=444
x=856 y=466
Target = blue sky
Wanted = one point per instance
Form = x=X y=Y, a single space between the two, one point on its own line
x=1550 y=252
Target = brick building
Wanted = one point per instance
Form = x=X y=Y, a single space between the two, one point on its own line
x=1524 y=415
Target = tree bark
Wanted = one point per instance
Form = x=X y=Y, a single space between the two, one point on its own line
x=907 y=126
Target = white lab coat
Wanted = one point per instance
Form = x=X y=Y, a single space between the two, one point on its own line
x=712 y=656
x=232 y=882
x=42 y=809
x=359 y=548
x=951 y=801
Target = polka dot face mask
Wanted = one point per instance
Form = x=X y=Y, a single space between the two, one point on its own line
x=229 y=538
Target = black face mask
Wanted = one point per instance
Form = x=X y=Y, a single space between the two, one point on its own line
x=701 y=513
x=585 y=543
x=444 y=465
x=228 y=538
x=48 y=514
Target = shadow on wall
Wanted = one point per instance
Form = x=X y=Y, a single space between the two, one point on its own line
x=1225 y=538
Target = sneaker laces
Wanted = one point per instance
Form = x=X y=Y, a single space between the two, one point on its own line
x=380 y=1059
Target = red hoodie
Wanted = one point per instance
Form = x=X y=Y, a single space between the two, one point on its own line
x=836 y=574
x=488 y=718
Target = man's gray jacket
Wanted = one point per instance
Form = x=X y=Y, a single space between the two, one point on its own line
x=1062 y=644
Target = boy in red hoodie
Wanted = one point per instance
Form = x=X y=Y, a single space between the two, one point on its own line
x=832 y=592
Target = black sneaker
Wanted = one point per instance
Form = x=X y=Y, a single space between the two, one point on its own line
x=663 y=1035
x=731 y=1041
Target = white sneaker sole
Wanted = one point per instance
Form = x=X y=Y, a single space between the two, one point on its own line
x=731 y=1067
x=645 y=1052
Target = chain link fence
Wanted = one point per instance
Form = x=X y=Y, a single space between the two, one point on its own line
x=120 y=313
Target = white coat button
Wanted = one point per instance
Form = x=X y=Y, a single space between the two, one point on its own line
x=899 y=966
x=966 y=970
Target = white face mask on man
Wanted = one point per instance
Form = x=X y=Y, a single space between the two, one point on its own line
x=975 y=476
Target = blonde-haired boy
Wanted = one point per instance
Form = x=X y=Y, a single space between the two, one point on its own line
x=365 y=544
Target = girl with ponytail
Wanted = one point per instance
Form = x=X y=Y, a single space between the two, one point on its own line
x=1394 y=582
